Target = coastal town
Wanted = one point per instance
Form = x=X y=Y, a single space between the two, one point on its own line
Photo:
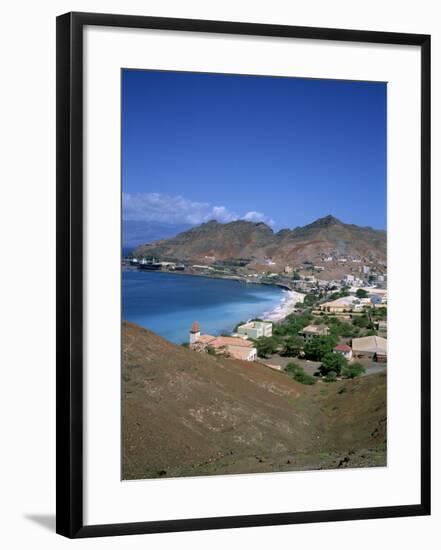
x=305 y=277
x=325 y=328
x=254 y=277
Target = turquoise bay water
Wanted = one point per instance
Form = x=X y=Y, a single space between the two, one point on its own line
x=168 y=304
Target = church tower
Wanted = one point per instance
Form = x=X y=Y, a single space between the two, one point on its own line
x=195 y=333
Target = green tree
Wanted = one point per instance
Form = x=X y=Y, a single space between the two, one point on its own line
x=280 y=330
x=316 y=348
x=266 y=345
x=310 y=299
x=352 y=371
x=361 y=293
x=379 y=312
x=292 y=345
x=361 y=321
x=295 y=276
x=342 y=293
x=332 y=362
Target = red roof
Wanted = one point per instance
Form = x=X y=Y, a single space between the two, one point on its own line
x=221 y=341
x=342 y=347
x=195 y=327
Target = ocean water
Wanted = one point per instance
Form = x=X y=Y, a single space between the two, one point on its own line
x=168 y=304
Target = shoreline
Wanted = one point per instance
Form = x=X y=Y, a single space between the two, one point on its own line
x=276 y=314
x=285 y=307
x=236 y=278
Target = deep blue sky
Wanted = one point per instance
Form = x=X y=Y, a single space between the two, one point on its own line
x=282 y=149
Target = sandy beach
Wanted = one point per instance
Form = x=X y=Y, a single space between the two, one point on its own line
x=286 y=306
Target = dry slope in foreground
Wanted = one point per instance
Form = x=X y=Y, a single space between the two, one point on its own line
x=187 y=414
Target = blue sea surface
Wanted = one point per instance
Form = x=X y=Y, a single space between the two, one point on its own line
x=168 y=304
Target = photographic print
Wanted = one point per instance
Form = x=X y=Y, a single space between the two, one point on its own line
x=254 y=274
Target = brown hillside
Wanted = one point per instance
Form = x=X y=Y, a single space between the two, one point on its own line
x=186 y=413
x=256 y=241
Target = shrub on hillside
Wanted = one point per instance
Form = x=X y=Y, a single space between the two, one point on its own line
x=299 y=375
x=352 y=371
x=331 y=376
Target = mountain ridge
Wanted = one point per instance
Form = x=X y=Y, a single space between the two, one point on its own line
x=257 y=242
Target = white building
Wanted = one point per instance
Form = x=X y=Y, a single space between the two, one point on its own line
x=195 y=333
x=255 y=329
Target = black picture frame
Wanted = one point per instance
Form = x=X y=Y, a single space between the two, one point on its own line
x=69 y=333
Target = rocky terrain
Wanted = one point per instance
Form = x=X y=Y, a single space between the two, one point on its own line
x=253 y=243
x=186 y=413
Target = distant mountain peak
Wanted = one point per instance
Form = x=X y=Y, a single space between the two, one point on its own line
x=326 y=220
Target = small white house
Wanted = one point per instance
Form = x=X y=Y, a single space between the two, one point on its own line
x=344 y=350
x=255 y=329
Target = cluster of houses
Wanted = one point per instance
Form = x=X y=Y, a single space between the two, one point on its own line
x=237 y=347
x=240 y=346
x=366 y=347
x=309 y=282
x=348 y=304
